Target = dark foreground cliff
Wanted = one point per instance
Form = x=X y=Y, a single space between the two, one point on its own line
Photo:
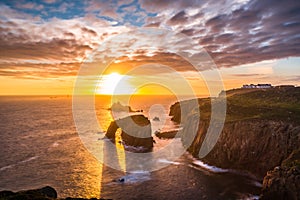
x=261 y=130
x=45 y=193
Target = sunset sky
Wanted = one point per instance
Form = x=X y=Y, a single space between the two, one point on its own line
x=44 y=43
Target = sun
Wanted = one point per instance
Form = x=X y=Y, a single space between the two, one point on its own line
x=114 y=84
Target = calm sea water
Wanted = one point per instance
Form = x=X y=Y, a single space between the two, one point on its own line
x=40 y=146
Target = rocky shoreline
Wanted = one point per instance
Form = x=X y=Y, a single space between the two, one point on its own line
x=255 y=146
x=255 y=138
x=283 y=182
x=263 y=140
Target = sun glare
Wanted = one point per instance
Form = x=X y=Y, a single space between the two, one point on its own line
x=115 y=83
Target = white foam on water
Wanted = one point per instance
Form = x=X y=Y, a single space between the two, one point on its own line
x=23 y=161
x=209 y=167
x=55 y=144
x=135 y=177
x=251 y=197
x=29 y=159
x=168 y=161
x=134 y=149
x=257 y=183
x=6 y=167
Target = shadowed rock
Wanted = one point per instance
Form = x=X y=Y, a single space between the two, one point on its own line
x=45 y=193
x=168 y=134
x=118 y=107
x=260 y=133
x=283 y=182
x=136 y=131
x=37 y=194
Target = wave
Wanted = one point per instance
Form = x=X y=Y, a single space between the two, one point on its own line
x=168 y=161
x=6 y=167
x=209 y=167
x=251 y=197
x=55 y=144
x=20 y=162
x=256 y=183
x=253 y=179
x=133 y=148
x=29 y=159
x=135 y=177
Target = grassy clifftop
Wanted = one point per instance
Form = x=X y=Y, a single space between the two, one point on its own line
x=274 y=104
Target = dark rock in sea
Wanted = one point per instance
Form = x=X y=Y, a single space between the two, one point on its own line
x=283 y=182
x=136 y=131
x=121 y=180
x=45 y=193
x=168 y=134
x=156 y=119
x=6 y=194
x=118 y=107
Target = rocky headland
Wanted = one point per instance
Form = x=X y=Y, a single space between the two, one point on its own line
x=261 y=132
x=261 y=136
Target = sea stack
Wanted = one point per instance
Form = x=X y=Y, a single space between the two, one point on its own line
x=136 y=131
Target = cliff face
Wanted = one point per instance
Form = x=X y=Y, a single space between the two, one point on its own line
x=136 y=131
x=252 y=145
x=283 y=182
x=262 y=128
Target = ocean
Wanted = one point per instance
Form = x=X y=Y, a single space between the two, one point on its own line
x=40 y=146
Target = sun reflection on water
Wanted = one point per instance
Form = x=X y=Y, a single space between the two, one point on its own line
x=120 y=150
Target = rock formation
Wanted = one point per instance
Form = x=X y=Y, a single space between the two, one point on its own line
x=45 y=193
x=252 y=145
x=168 y=134
x=283 y=182
x=261 y=133
x=136 y=131
x=118 y=107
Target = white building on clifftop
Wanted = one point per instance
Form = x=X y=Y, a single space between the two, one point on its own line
x=260 y=86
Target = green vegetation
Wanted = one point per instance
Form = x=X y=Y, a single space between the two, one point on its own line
x=270 y=104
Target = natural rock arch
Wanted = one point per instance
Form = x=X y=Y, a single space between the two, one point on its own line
x=131 y=135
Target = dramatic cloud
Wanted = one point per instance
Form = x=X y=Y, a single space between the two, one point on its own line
x=254 y=31
x=41 y=48
x=233 y=32
x=39 y=70
x=178 y=18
